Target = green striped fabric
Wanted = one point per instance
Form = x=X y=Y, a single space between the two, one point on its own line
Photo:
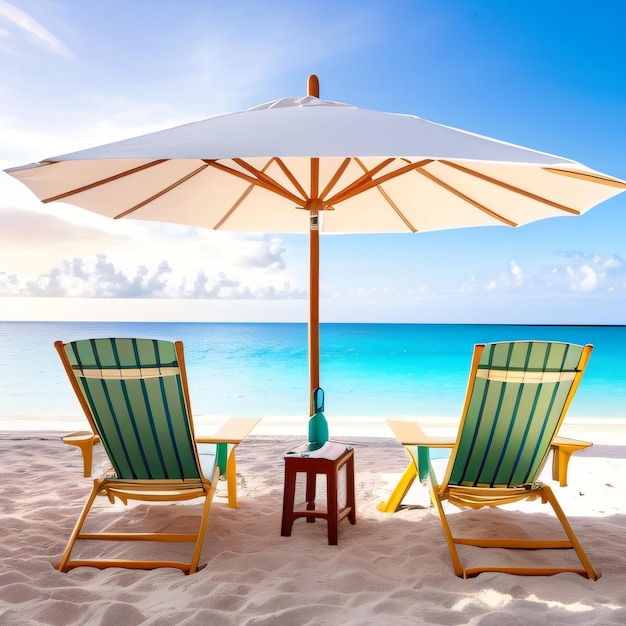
x=514 y=412
x=134 y=389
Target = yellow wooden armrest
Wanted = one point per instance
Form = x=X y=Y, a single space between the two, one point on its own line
x=410 y=434
x=562 y=450
x=235 y=430
x=84 y=440
x=232 y=433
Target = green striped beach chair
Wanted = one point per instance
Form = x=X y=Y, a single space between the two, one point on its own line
x=518 y=395
x=135 y=394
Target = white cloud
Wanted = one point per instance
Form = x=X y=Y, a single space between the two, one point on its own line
x=518 y=273
x=99 y=277
x=582 y=273
x=36 y=32
x=589 y=279
x=593 y=273
x=268 y=254
x=42 y=254
x=613 y=263
x=469 y=285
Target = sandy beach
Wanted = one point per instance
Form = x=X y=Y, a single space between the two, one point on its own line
x=388 y=568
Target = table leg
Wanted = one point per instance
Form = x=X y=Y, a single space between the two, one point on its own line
x=350 y=491
x=332 y=504
x=311 y=486
x=289 y=494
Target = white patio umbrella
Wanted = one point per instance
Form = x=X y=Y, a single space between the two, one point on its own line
x=310 y=165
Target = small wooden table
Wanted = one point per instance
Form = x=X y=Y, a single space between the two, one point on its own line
x=312 y=466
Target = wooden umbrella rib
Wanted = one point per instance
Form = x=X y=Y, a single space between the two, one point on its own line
x=336 y=176
x=508 y=187
x=389 y=201
x=589 y=176
x=367 y=181
x=400 y=214
x=253 y=183
x=233 y=208
x=289 y=174
x=259 y=179
x=467 y=199
x=349 y=191
x=160 y=193
x=268 y=180
x=103 y=181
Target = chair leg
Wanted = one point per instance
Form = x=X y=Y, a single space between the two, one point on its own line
x=62 y=567
x=454 y=555
x=187 y=567
x=206 y=509
x=400 y=490
x=569 y=531
x=528 y=544
x=560 y=463
x=231 y=479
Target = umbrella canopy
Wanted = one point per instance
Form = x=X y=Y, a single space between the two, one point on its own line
x=310 y=165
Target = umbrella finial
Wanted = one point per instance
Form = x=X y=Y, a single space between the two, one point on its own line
x=313 y=87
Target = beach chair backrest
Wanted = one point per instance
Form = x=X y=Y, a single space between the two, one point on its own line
x=518 y=395
x=135 y=392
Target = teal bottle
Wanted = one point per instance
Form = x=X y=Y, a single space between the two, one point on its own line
x=318 y=426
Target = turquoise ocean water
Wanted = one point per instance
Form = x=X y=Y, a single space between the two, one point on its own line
x=238 y=369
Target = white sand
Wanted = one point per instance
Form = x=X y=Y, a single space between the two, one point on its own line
x=387 y=569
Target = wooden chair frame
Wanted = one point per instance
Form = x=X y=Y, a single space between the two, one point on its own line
x=141 y=489
x=417 y=443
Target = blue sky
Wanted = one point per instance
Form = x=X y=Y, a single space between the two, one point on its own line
x=546 y=75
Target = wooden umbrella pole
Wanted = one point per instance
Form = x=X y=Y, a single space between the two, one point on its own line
x=314 y=295
x=313 y=89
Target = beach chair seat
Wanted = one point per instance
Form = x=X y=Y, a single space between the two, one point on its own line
x=134 y=392
x=227 y=438
x=518 y=395
x=418 y=444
